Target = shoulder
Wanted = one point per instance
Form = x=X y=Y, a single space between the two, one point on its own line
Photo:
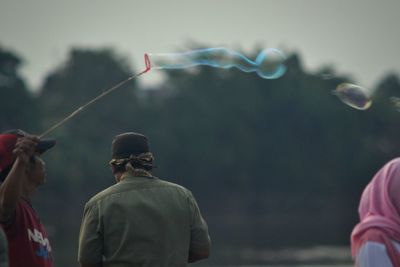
x=117 y=188
x=23 y=216
x=177 y=187
x=101 y=195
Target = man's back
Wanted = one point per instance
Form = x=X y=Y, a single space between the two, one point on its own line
x=142 y=221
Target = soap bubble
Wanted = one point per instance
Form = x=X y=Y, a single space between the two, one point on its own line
x=270 y=63
x=353 y=95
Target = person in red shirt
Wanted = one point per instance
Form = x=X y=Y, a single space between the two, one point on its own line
x=21 y=172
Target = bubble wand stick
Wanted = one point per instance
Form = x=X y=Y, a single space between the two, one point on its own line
x=106 y=92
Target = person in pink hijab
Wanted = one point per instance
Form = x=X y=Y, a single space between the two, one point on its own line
x=375 y=240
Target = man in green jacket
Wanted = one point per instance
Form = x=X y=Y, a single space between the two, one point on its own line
x=141 y=220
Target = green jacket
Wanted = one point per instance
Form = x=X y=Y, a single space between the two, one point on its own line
x=142 y=221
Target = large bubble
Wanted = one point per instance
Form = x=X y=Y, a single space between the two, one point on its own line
x=353 y=95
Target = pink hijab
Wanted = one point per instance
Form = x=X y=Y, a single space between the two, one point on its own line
x=379 y=212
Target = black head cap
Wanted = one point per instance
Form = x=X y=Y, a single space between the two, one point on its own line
x=127 y=144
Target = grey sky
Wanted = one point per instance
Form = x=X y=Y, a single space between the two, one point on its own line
x=359 y=37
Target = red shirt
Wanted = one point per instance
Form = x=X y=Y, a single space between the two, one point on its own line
x=28 y=245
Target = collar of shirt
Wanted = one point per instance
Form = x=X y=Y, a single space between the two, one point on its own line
x=129 y=177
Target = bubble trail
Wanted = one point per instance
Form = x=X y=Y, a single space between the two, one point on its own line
x=269 y=63
x=353 y=95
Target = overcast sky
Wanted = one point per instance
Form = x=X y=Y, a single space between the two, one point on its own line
x=359 y=37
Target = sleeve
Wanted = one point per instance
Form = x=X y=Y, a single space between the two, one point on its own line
x=3 y=249
x=199 y=237
x=90 y=249
x=15 y=223
x=373 y=254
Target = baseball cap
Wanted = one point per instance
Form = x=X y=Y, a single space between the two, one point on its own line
x=127 y=144
x=7 y=144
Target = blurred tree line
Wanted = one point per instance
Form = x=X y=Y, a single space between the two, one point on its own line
x=273 y=163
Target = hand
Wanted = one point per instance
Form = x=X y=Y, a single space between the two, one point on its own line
x=25 y=147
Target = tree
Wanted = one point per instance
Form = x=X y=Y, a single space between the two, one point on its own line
x=84 y=141
x=18 y=107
